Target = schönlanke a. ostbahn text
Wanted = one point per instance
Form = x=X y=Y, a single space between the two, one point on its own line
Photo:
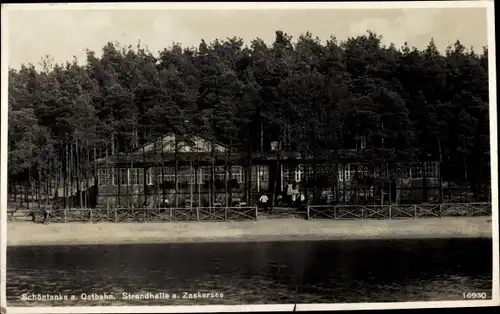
x=64 y=297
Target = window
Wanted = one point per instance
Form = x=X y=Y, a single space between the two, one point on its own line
x=341 y=173
x=205 y=173
x=158 y=174
x=150 y=176
x=136 y=176
x=287 y=174
x=116 y=176
x=185 y=175
x=219 y=173
x=431 y=169
x=322 y=170
x=415 y=170
x=263 y=173
x=237 y=173
x=296 y=174
x=123 y=175
x=168 y=174
x=192 y=175
x=346 y=172
x=105 y=176
x=362 y=142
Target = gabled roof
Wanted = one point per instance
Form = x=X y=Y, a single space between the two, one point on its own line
x=195 y=143
x=185 y=145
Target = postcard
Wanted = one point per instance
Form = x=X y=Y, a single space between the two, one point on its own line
x=227 y=157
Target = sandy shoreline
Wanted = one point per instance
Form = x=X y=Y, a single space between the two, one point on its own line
x=27 y=233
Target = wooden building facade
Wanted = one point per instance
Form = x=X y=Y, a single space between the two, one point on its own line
x=184 y=172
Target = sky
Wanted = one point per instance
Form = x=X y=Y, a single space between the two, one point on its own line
x=62 y=34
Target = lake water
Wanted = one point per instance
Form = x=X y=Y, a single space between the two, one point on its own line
x=252 y=273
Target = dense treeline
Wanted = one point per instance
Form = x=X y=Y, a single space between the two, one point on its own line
x=406 y=102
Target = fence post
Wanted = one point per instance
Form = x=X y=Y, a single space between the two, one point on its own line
x=390 y=211
x=415 y=210
x=170 y=212
x=90 y=214
x=467 y=210
x=65 y=216
x=335 y=211
x=307 y=215
x=145 y=214
x=256 y=212
x=197 y=214
x=225 y=214
x=441 y=210
x=363 y=211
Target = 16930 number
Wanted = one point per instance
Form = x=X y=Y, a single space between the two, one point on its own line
x=474 y=295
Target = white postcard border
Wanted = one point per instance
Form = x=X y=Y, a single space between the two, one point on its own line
x=261 y=6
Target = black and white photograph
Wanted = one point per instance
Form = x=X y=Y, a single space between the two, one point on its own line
x=206 y=157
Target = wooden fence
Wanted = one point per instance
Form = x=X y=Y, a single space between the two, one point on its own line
x=154 y=214
x=397 y=211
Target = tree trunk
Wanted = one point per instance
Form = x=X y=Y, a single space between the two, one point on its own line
x=249 y=176
x=38 y=187
x=226 y=177
x=96 y=183
x=277 y=179
x=191 y=182
x=144 y=173
x=175 y=174
x=130 y=186
x=71 y=175
x=212 y=180
x=47 y=193
x=466 y=183
x=198 y=183
x=163 y=190
x=424 y=182
x=32 y=187
x=66 y=175
x=441 y=194
x=57 y=174
x=88 y=172
x=229 y=200
x=78 y=173
x=155 y=174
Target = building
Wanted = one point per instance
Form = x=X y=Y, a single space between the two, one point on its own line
x=181 y=172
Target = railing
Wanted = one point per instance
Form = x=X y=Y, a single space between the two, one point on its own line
x=154 y=214
x=397 y=211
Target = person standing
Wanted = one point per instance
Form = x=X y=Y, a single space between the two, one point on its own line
x=263 y=202
x=279 y=199
x=289 y=194
x=295 y=195
x=46 y=216
x=301 y=201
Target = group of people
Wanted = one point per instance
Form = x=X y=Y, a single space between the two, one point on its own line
x=292 y=197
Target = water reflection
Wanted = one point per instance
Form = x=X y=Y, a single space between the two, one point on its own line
x=258 y=272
